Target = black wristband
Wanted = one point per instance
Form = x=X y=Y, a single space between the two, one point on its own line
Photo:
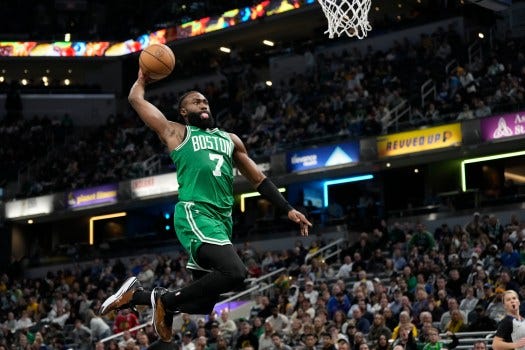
x=268 y=189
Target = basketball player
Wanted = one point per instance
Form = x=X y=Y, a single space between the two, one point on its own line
x=204 y=157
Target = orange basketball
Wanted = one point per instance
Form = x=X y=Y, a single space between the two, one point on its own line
x=157 y=61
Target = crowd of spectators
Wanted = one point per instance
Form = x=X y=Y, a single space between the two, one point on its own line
x=343 y=95
x=95 y=20
x=400 y=285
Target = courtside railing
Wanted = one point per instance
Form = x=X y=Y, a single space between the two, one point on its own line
x=326 y=251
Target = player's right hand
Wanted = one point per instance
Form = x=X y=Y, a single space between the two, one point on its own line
x=144 y=78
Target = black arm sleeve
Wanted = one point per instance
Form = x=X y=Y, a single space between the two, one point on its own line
x=268 y=189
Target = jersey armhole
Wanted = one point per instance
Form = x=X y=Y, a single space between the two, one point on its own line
x=187 y=133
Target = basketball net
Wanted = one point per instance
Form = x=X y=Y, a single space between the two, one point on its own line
x=348 y=17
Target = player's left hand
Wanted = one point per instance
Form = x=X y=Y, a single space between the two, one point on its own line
x=298 y=217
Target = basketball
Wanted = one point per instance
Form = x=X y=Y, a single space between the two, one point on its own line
x=157 y=61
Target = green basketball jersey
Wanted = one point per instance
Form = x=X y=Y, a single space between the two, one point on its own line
x=204 y=162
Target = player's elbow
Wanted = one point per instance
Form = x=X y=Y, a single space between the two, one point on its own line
x=132 y=99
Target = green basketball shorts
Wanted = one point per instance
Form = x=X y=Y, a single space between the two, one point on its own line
x=197 y=223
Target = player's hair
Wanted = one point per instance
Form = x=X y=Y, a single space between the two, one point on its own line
x=183 y=97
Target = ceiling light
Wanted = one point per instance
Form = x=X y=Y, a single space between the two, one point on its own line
x=268 y=43
x=225 y=49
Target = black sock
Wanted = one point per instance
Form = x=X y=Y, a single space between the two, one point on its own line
x=141 y=297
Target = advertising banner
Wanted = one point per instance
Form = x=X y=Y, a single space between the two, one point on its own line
x=30 y=206
x=325 y=156
x=419 y=140
x=154 y=185
x=503 y=126
x=92 y=196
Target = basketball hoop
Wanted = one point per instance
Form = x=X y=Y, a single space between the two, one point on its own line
x=348 y=17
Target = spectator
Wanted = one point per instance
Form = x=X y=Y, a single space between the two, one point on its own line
x=361 y=323
x=377 y=263
x=481 y=322
x=327 y=341
x=422 y=240
x=432 y=114
x=345 y=270
x=454 y=283
x=263 y=309
x=364 y=247
x=339 y=320
x=146 y=276
x=359 y=263
x=481 y=109
x=493 y=228
x=319 y=326
x=127 y=342
x=310 y=292
x=342 y=342
x=24 y=322
x=510 y=258
x=265 y=341
x=409 y=279
x=294 y=337
x=214 y=336
x=338 y=301
x=188 y=325
x=404 y=323
x=467 y=80
x=227 y=327
x=246 y=337
x=395 y=305
x=423 y=333
x=434 y=342
x=278 y=321
x=479 y=345
x=469 y=302
x=496 y=309
x=99 y=328
x=187 y=343
x=39 y=343
x=466 y=113
x=452 y=305
x=81 y=335
x=278 y=343
x=310 y=341
x=420 y=304
x=124 y=321
x=405 y=339
x=457 y=323
x=398 y=259
x=382 y=343
x=363 y=282
x=201 y=343
x=378 y=329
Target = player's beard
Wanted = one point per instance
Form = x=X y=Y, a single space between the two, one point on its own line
x=195 y=119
